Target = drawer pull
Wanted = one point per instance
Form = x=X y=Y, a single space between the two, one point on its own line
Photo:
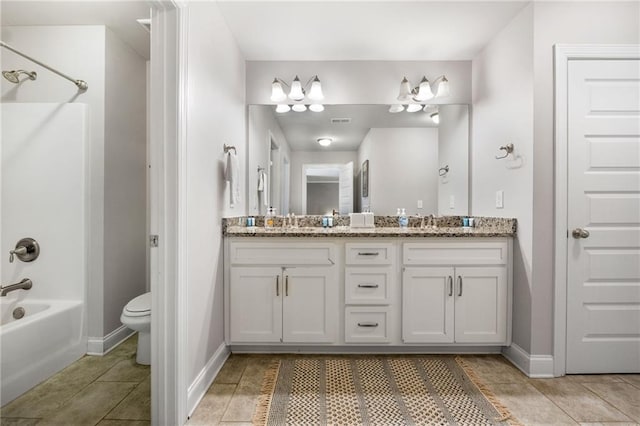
x=286 y=285
x=450 y=286
x=368 y=253
x=460 y=285
x=368 y=285
x=367 y=324
x=277 y=285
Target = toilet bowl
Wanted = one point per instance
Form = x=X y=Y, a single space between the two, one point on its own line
x=136 y=315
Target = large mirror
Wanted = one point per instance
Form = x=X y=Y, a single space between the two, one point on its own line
x=377 y=161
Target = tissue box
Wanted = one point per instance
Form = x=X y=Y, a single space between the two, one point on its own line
x=362 y=220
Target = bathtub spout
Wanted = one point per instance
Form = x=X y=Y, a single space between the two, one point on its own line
x=25 y=284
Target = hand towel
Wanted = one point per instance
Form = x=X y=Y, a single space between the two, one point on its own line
x=231 y=175
x=263 y=186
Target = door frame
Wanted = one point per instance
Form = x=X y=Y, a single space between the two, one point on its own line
x=563 y=53
x=305 y=168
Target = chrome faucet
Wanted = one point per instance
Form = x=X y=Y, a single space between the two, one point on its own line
x=25 y=284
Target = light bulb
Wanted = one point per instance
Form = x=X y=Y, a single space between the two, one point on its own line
x=283 y=108
x=296 y=92
x=435 y=117
x=315 y=93
x=414 y=107
x=325 y=141
x=405 y=90
x=277 y=94
x=396 y=108
x=443 y=88
x=424 y=91
x=316 y=107
x=299 y=107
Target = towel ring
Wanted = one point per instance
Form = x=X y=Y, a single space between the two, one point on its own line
x=508 y=148
x=443 y=170
x=228 y=148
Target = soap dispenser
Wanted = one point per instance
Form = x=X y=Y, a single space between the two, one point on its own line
x=403 y=220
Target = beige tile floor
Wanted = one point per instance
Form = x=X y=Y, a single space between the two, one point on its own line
x=108 y=391
x=585 y=400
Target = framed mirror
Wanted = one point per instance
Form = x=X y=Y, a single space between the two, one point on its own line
x=375 y=160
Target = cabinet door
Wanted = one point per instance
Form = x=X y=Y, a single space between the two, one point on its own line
x=256 y=304
x=310 y=305
x=481 y=305
x=427 y=305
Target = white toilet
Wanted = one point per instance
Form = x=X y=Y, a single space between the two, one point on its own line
x=137 y=316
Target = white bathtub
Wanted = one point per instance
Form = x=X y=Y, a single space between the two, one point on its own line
x=33 y=348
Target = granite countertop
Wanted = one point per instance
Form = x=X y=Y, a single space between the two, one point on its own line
x=449 y=226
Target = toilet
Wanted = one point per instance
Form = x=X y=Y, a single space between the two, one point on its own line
x=136 y=315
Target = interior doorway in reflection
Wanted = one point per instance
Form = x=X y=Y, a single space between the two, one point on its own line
x=327 y=189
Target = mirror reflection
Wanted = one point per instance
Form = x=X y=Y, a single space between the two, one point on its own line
x=352 y=158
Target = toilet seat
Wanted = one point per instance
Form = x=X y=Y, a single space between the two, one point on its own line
x=139 y=306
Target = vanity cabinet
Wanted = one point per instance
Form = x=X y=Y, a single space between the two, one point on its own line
x=456 y=293
x=289 y=294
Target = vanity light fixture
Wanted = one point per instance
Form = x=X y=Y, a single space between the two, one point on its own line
x=316 y=107
x=414 y=107
x=312 y=90
x=325 y=141
x=281 y=108
x=299 y=107
x=396 y=108
x=423 y=91
x=435 y=117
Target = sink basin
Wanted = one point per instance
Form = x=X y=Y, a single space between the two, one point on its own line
x=362 y=220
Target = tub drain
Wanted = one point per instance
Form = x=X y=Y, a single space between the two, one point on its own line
x=18 y=313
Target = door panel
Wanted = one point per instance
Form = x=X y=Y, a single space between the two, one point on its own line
x=603 y=269
x=345 y=191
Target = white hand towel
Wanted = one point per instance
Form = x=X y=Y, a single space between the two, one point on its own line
x=231 y=175
x=260 y=181
x=265 y=188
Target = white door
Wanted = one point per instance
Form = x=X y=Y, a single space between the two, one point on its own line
x=603 y=266
x=427 y=305
x=310 y=305
x=481 y=304
x=345 y=192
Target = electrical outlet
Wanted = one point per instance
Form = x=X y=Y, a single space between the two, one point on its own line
x=419 y=204
x=452 y=201
x=500 y=199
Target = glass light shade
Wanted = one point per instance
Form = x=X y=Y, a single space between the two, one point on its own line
x=315 y=93
x=405 y=90
x=443 y=88
x=414 y=107
x=325 y=141
x=428 y=107
x=396 y=108
x=316 y=107
x=283 y=108
x=296 y=92
x=424 y=91
x=277 y=94
x=299 y=107
x=435 y=117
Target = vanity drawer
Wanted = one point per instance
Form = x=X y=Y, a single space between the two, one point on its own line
x=367 y=286
x=456 y=253
x=369 y=254
x=366 y=325
x=282 y=254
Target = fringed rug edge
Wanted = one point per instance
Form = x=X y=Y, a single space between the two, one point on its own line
x=504 y=412
x=261 y=414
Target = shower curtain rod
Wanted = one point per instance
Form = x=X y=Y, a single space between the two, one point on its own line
x=81 y=84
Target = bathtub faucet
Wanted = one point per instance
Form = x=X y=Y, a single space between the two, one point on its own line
x=25 y=284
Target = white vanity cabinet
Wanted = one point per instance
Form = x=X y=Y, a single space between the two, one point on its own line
x=282 y=292
x=456 y=292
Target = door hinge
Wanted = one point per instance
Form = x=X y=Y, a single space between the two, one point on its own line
x=153 y=240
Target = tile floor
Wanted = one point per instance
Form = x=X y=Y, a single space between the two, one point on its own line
x=586 y=400
x=111 y=390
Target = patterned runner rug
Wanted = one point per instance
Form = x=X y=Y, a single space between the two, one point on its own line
x=429 y=390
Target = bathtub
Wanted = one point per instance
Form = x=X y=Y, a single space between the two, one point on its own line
x=48 y=338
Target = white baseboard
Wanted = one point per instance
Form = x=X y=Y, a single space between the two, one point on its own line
x=199 y=387
x=534 y=366
x=102 y=345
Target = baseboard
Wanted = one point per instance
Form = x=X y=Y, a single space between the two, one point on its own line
x=103 y=345
x=534 y=366
x=199 y=387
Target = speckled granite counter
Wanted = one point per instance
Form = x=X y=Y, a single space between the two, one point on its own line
x=448 y=226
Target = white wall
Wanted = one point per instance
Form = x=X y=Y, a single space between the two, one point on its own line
x=262 y=126
x=561 y=22
x=358 y=82
x=503 y=113
x=215 y=116
x=44 y=147
x=300 y=158
x=453 y=151
x=403 y=168
x=125 y=179
x=322 y=197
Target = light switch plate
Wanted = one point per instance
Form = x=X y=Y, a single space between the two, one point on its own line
x=419 y=204
x=500 y=199
x=452 y=201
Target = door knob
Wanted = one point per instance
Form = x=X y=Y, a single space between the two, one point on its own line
x=580 y=233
